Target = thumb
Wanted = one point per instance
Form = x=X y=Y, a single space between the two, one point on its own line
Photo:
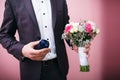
x=34 y=43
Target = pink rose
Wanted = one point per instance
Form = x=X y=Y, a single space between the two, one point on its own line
x=68 y=28
x=88 y=28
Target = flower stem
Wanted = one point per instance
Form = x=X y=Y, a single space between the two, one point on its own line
x=84 y=68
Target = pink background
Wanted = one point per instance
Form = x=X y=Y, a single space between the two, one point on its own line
x=105 y=48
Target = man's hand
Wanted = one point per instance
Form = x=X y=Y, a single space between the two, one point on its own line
x=29 y=51
x=87 y=48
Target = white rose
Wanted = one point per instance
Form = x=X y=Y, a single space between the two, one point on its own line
x=97 y=31
x=75 y=29
x=80 y=28
x=94 y=28
x=72 y=30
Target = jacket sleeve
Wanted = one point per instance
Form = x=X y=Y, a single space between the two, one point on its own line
x=7 y=33
x=66 y=16
x=66 y=19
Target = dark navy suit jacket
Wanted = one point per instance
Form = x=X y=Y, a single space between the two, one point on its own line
x=19 y=16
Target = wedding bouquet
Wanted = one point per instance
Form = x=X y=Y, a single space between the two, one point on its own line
x=81 y=34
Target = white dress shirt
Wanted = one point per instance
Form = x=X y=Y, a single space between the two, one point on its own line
x=42 y=9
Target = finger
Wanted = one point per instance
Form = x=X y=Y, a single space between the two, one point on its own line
x=40 y=55
x=76 y=51
x=75 y=47
x=87 y=50
x=88 y=55
x=89 y=44
x=37 y=58
x=86 y=46
x=34 y=43
x=41 y=51
x=44 y=51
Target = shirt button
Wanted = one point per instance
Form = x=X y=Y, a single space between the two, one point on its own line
x=47 y=38
x=45 y=26
x=41 y=1
x=43 y=13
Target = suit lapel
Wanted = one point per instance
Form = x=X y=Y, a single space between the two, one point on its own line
x=53 y=6
x=30 y=10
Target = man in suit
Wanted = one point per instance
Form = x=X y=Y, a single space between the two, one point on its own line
x=35 y=20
